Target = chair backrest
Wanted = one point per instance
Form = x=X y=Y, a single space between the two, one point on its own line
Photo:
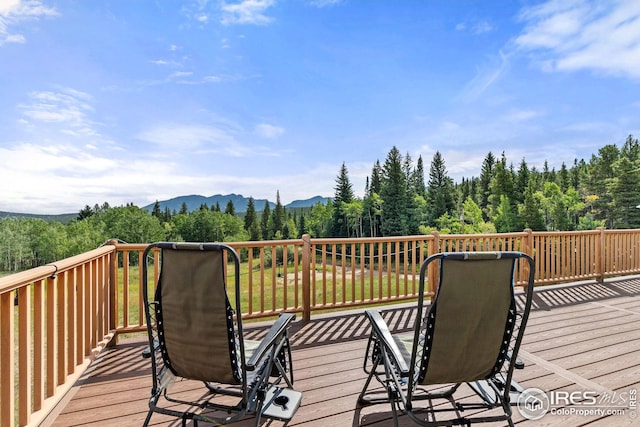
x=196 y=323
x=468 y=327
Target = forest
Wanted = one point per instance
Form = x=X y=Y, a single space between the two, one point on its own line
x=399 y=199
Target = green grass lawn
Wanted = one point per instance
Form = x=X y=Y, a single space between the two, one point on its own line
x=339 y=293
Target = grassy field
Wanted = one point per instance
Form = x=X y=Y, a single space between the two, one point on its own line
x=335 y=291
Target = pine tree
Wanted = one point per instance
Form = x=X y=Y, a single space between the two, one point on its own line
x=439 y=190
x=530 y=211
x=393 y=193
x=302 y=226
x=376 y=179
x=343 y=197
x=417 y=179
x=563 y=179
x=555 y=206
x=250 y=215
x=484 y=190
x=155 y=211
x=501 y=185
x=278 y=218
x=631 y=149
x=167 y=214
x=264 y=221
x=184 y=209
x=85 y=213
x=547 y=175
x=576 y=172
x=413 y=199
x=625 y=193
x=601 y=173
x=521 y=182
x=230 y=209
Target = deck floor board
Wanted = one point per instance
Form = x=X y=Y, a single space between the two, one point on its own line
x=580 y=335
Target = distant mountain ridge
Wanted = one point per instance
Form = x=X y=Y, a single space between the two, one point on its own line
x=63 y=218
x=240 y=202
x=193 y=202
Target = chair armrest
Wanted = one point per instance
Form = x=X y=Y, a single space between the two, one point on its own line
x=379 y=326
x=278 y=329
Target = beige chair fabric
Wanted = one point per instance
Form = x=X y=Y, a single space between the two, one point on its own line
x=194 y=312
x=473 y=302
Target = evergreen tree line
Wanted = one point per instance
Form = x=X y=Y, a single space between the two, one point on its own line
x=398 y=200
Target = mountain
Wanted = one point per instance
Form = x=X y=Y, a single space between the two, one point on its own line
x=63 y=218
x=308 y=202
x=193 y=202
x=240 y=202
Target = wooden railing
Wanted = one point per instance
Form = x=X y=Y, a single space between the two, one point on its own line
x=55 y=318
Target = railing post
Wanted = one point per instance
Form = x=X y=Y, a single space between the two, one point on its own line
x=113 y=287
x=527 y=248
x=432 y=273
x=306 y=278
x=600 y=255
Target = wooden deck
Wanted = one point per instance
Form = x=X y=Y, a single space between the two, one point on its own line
x=583 y=336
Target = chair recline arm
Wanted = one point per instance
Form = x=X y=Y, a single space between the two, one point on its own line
x=381 y=329
x=278 y=329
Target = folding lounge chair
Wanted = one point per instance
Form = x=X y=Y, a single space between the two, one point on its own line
x=470 y=334
x=196 y=334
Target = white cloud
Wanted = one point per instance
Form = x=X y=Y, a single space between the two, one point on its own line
x=187 y=138
x=212 y=79
x=482 y=27
x=180 y=74
x=477 y=27
x=485 y=78
x=522 y=115
x=246 y=12
x=14 y=12
x=584 y=35
x=13 y=38
x=61 y=178
x=160 y=62
x=8 y=6
x=67 y=108
x=268 y=131
x=188 y=78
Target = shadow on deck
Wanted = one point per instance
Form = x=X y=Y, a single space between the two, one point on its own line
x=580 y=337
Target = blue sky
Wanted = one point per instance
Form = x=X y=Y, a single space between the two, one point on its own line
x=137 y=101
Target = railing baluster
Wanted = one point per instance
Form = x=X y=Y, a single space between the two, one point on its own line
x=70 y=321
x=62 y=328
x=7 y=359
x=39 y=331
x=125 y=290
x=24 y=355
x=52 y=337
